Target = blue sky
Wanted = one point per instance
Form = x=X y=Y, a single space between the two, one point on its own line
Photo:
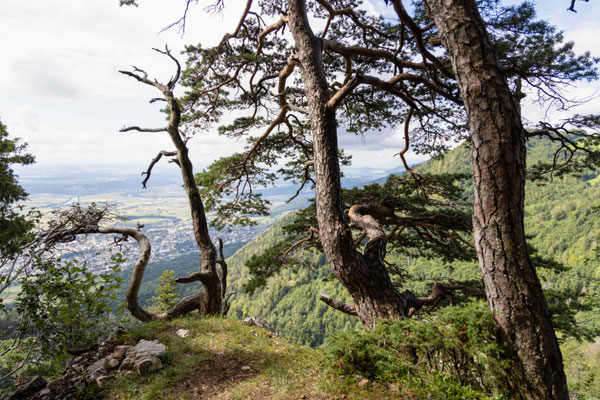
x=60 y=90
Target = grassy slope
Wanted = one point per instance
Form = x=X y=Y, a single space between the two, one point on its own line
x=207 y=365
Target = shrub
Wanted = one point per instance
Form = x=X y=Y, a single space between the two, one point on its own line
x=61 y=307
x=453 y=353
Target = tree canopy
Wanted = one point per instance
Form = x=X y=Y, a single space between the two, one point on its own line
x=13 y=225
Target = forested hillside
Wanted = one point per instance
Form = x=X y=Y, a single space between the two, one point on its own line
x=559 y=220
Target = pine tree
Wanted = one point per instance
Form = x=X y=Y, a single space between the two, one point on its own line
x=166 y=294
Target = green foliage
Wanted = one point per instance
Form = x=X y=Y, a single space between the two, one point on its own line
x=13 y=226
x=265 y=265
x=166 y=294
x=454 y=350
x=64 y=305
x=216 y=349
x=567 y=267
x=289 y=301
x=231 y=203
x=425 y=218
x=582 y=366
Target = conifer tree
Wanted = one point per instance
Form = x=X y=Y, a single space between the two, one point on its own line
x=166 y=294
x=13 y=226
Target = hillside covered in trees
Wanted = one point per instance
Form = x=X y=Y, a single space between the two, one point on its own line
x=561 y=222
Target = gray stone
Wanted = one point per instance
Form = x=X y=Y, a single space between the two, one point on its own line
x=245 y=368
x=111 y=364
x=147 y=364
x=96 y=369
x=183 y=333
x=127 y=364
x=144 y=357
x=27 y=390
x=120 y=352
x=129 y=360
x=150 y=348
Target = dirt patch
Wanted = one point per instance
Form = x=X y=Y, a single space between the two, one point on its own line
x=212 y=377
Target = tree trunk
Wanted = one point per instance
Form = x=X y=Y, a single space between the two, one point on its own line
x=364 y=276
x=213 y=299
x=498 y=139
x=208 y=271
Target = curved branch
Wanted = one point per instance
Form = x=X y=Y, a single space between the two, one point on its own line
x=153 y=162
x=438 y=291
x=312 y=231
x=137 y=128
x=349 y=309
x=271 y=28
x=418 y=36
x=337 y=47
x=183 y=306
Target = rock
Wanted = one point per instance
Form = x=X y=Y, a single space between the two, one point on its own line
x=129 y=360
x=26 y=391
x=127 y=364
x=150 y=348
x=96 y=369
x=363 y=382
x=102 y=380
x=261 y=323
x=147 y=364
x=120 y=352
x=245 y=368
x=183 y=333
x=143 y=357
x=112 y=363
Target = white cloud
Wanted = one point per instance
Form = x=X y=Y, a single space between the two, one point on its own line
x=40 y=74
x=61 y=91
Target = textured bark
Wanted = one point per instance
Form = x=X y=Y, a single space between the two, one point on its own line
x=498 y=139
x=365 y=276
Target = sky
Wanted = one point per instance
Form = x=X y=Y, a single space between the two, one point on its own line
x=60 y=90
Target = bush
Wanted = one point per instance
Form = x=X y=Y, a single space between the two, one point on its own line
x=66 y=306
x=61 y=307
x=453 y=354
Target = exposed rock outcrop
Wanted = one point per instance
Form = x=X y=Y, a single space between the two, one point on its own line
x=96 y=367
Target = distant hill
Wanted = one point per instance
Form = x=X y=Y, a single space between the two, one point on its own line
x=559 y=219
